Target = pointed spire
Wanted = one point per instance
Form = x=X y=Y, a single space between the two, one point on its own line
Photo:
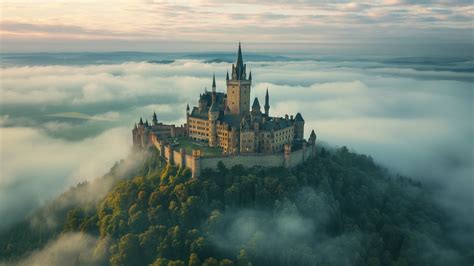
x=267 y=103
x=141 y=121
x=214 y=83
x=155 y=119
x=239 y=65
x=250 y=75
x=227 y=77
x=187 y=107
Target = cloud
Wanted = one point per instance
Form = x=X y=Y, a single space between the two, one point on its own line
x=36 y=167
x=287 y=234
x=67 y=248
x=178 y=26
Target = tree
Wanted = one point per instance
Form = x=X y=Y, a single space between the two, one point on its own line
x=194 y=260
x=242 y=258
x=211 y=262
x=226 y=262
x=128 y=252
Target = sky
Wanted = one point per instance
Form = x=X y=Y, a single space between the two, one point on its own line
x=411 y=27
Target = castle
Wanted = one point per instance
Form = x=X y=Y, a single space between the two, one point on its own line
x=227 y=123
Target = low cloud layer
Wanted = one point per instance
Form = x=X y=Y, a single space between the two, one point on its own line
x=286 y=234
x=412 y=117
x=68 y=249
x=36 y=167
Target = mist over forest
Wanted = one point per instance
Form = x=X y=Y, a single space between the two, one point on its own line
x=412 y=115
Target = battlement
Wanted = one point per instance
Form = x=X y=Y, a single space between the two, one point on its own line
x=196 y=162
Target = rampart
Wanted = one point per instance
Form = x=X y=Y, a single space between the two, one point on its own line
x=195 y=162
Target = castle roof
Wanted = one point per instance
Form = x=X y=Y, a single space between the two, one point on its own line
x=276 y=124
x=240 y=63
x=199 y=114
x=207 y=96
x=299 y=118
x=256 y=104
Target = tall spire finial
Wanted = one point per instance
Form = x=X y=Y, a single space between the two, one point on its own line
x=155 y=119
x=214 y=82
x=239 y=65
x=267 y=104
x=227 y=77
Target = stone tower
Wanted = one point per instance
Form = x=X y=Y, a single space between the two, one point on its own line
x=299 y=127
x=213 y=116
x=312 y=141
x=238 y=87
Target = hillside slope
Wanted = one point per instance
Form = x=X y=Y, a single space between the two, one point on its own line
x=337 y=209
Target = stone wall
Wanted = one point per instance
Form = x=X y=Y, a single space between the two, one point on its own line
x=271 y=160
x=196 y=163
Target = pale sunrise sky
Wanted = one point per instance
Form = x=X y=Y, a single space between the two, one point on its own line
x=282 y=25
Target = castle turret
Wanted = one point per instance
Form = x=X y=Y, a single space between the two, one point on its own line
x=299 y=127
x=312 y=141
x=187 y=119
x=256 y=106
x=267 y=104
x=155 y=119
x=213 y=116
x=141 y=122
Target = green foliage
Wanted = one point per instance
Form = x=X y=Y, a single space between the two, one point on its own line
x=337 y=209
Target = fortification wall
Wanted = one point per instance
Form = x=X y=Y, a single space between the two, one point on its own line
x=298 y=156
x=196 y=163
x=271 y=160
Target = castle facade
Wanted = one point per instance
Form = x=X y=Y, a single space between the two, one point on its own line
x=226 y=121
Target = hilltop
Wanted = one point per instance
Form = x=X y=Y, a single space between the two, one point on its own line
x=339 y=208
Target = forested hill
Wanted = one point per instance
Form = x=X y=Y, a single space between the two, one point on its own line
x=337 y=209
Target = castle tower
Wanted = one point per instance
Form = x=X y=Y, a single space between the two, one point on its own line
x=256 y=111
x=267 y=104
x=312 y=141
x=213 y=116
x=187 y=119
x=238 y=87
x=299 y=127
